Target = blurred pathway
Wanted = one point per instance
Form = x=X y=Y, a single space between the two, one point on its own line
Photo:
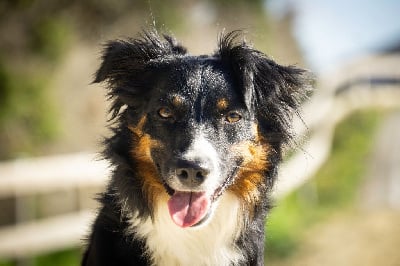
x=382 y=187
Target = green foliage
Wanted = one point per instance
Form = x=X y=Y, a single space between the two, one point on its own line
x=6 y=263
x=70 y=257
x=49 y=38
x=332 y=188
x=27 y=118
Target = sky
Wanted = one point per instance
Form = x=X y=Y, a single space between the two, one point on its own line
x=333 y=32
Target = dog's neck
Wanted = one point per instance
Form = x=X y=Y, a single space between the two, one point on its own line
x=210 y=244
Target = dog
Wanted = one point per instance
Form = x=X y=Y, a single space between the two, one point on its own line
x=195 y=147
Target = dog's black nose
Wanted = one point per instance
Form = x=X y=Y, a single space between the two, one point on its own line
x=191 y=174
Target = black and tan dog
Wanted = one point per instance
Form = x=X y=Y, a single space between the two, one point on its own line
x=195 y=147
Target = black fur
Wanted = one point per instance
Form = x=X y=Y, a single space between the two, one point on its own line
x=266 y=93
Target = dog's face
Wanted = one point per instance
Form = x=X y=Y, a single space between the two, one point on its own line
x=202 y=129
x=199 y=125
x=197 y=116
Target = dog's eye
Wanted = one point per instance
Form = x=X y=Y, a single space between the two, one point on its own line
x=233 y=117
x=165 y=112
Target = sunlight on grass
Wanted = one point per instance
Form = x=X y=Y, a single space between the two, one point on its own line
x=69 y=257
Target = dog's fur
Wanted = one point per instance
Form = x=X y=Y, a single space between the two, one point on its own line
x=203 y=133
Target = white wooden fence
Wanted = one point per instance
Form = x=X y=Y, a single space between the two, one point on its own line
x=76 y=171
x=35 y=176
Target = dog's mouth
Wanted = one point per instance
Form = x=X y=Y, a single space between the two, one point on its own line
x=192 y=208
x=188 y=208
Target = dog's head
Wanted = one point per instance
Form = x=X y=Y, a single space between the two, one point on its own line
x=197 y=126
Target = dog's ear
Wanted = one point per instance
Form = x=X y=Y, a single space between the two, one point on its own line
x=273 y=91
x=127 y=67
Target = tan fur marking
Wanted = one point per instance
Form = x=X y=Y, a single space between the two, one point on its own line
x=251 y=173
x=138 y=129
x=152 y=187
x=177 y=101
x=222 y=104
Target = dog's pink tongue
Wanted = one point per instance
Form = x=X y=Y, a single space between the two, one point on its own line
x=188 y=208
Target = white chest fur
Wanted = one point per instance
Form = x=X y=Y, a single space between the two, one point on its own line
x=208 y=244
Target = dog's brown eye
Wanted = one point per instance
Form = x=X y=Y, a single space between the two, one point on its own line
x=233 y=117
x=165 y=112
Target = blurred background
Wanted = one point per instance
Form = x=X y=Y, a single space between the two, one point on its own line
x=338 y=198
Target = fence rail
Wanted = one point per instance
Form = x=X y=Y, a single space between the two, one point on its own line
x=321 y=116
x=40 y=175
x=56 y=233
